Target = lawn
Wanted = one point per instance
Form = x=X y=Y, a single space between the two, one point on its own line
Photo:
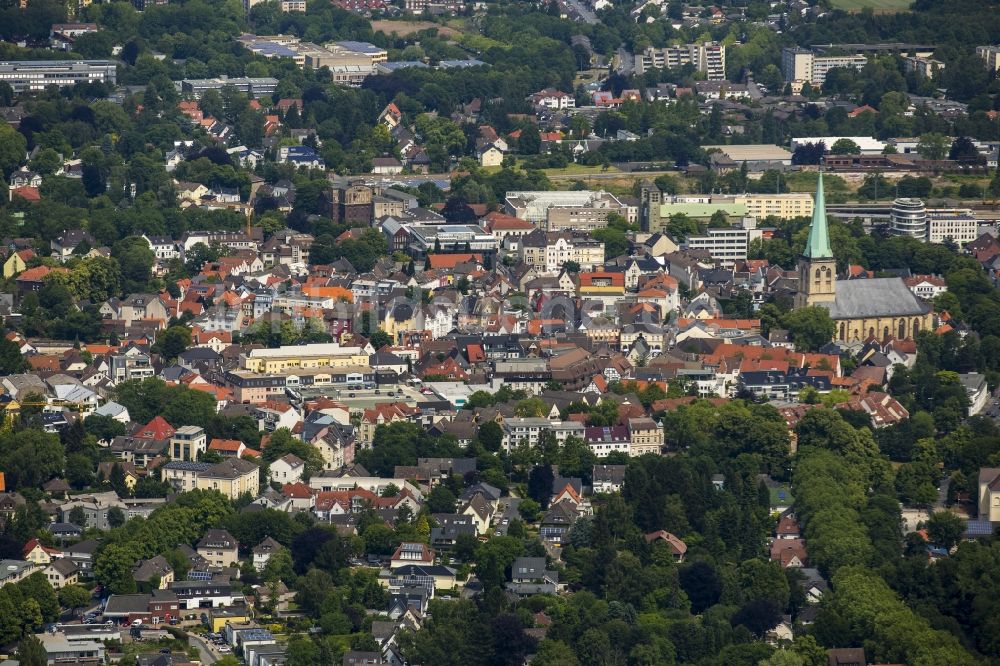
x=876 y=5
x=404 y=28
x=574 y=169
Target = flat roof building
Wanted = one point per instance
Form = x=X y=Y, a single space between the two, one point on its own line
x=248 y=85
x=25 y=75
x=801 y=65
x=556 y=211
x=726 y=244
x=709 y=58
x=303 y=356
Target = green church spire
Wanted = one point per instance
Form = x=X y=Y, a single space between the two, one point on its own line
x=818 y=245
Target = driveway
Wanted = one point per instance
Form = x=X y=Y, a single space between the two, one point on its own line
x=942 y=500
x=205 y=653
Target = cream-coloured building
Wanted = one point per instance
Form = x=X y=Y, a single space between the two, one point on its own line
x=548 y=251
x=989 y=494
x=647 y=437
x=231 y=477
x=219 y=547
x=784 y=206
x=802 y=65
x=61 y=572
x=303 y=356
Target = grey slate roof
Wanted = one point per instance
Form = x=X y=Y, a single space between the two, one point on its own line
x=876 y=297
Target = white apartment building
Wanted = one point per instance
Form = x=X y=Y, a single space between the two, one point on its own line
x=803 y=65
x=709 y=57
x=530 y=429
x=927 y=68
x=990 y=55
x=548 y=251
x=727 y=244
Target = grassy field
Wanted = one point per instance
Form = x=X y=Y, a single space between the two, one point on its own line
x=404 y=28
x=574 y=169
x=876 y=5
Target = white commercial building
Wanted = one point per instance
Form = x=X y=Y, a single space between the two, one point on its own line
x=960 y=225
x=39 y=74
x=554 y=211
x=868 y=145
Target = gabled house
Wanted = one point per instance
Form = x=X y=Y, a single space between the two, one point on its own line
x=529 y=576
x=556 y=522
x=674 y=544
x=263 y=551
x=61 y=572
x=154 y=573
x=411 y=553
x=219 y=548
x=287 y=469
x=65 y=244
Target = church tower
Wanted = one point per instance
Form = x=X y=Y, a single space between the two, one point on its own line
x=817 y=267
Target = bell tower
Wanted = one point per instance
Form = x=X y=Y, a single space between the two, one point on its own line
x=817 y=267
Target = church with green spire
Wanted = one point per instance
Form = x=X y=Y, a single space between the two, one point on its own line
x=861 y=309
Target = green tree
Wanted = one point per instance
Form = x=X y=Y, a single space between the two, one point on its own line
x=136 y=260
x=554 y=653
x=441 y=500
x=845 y=146
x=74 y=596
x=171 y=342
x=116 y=517
x=490 y=435
x=530 y=141
x=379 y=339
x=933 y=146
x=12 y=149
x=31 y=652
x=945 y=528
x=12 y=361
x=810 y=327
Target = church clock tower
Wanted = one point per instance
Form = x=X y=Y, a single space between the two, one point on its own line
x=817 y=267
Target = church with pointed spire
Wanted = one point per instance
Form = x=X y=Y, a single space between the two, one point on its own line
x=861 y=309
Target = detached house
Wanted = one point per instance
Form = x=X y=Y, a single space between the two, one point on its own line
x=61 y=572
x=528 y=576
x=155 y=572
x=219 y=548
x=66 y=243
x=287 y=469
x=263 y=551
x=412 y=553
x=676 y=546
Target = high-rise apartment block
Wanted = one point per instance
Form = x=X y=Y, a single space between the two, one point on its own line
x=802 y=65
x=709 y=57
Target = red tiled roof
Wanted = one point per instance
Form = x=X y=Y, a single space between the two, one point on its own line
x=26 y=193
x=232 y=445
x=35 y=274
x=158 y=428
x=452 y=260
x=296 y=491
x=587 y=279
